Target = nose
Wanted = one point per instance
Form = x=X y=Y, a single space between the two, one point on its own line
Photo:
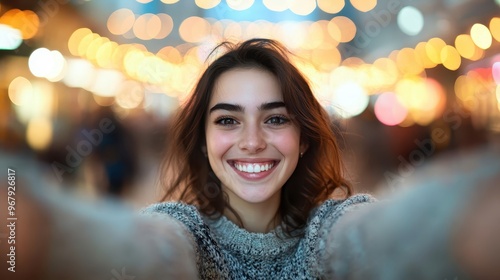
x=252 y=139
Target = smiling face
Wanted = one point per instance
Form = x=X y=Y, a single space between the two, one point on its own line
x=252 y=145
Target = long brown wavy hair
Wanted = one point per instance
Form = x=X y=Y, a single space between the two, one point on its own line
x=185 y=171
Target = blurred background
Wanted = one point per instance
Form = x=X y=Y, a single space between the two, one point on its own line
x=87 y=87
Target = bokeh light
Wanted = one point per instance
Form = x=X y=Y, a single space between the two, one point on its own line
x=207 y=4
x=239 y=5
x=147 y=26
x=194 y=29
x=20 y=91
x=276 y=5
x=331 y=7
x=120 y=21
x=364 y=5
x=495 y=28
x=38 y=61
x=75 y=39
x=349 y=100
x=481 y=36
x=346 y=26
x=10 y=38
x=39 y=133
x=450 y=58
x=302 y=7
x=433 y=49
x=465 y=46
x=410 y=20
x=389 y=110
x=27 y=22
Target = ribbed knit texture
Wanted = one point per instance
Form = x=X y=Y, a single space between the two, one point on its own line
x=226 y=251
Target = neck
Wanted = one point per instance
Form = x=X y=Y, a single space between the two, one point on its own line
x=256 y=217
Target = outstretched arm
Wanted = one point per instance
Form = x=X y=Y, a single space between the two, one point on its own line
x=444 y=227
x=60 y=237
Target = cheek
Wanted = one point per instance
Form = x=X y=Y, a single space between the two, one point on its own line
x=218 y=143
x=287 y=142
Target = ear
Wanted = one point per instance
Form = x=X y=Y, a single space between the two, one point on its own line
x=303 y=147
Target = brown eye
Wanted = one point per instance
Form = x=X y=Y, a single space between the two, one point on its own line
x=226 y=121
x=277 y=120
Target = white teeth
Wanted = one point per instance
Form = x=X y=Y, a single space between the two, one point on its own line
x=253 y=167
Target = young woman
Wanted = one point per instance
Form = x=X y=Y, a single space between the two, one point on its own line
x=254 y=152
x=254 y=167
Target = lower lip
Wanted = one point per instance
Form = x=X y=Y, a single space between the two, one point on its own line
x=255 y=176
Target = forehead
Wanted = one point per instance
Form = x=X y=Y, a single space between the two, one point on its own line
x=246 y=87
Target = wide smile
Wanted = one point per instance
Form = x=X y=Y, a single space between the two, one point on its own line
x=254 y=170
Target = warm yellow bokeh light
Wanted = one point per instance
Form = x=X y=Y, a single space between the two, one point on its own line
x=94 y=46
x=422 y=55
x=170 y=54
x=314 y=37
x=57 y=67
x=75 y=39
x=433 y=49
x=495 y=28
x=302 y=7
x=364 y=5
x=388 y=69
x=333 y=30
x=207 y=4
x=291 y=33
x=104 y=55
x=27 y=22
x=167 y=24
x=464 y=88
x=169 y=1
x=481 y=36
x=39 y=133
x=465 y=46
x=450 y=58
x=131 y=61
x=478 y=54
x=424 y=98
x=120 y=21
x=233 y=31
x=85 y=42
x=20 y=91
x=147 y=26
x=130 y=95
x=325 y=60
x=346 y=26
x=239 y=5
x=409 y=62
x=331 y=6
x=194 y=29
x=276 y=5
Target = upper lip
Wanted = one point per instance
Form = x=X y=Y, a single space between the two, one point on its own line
x=253 y=160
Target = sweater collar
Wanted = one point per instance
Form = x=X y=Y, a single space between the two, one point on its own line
x=251 y=244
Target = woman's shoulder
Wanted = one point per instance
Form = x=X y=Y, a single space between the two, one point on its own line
x=341 y=206
x=184 y=213
x=332 y=209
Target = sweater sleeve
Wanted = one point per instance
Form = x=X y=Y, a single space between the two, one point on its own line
x=59 y=235
x=410 y=235
x=210 y=261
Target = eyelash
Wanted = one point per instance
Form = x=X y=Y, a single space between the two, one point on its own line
x=222 y=119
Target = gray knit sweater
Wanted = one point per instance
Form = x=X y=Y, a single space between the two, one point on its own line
x=225 y=251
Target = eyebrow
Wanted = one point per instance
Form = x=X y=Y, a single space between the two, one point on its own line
x=239 y=108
